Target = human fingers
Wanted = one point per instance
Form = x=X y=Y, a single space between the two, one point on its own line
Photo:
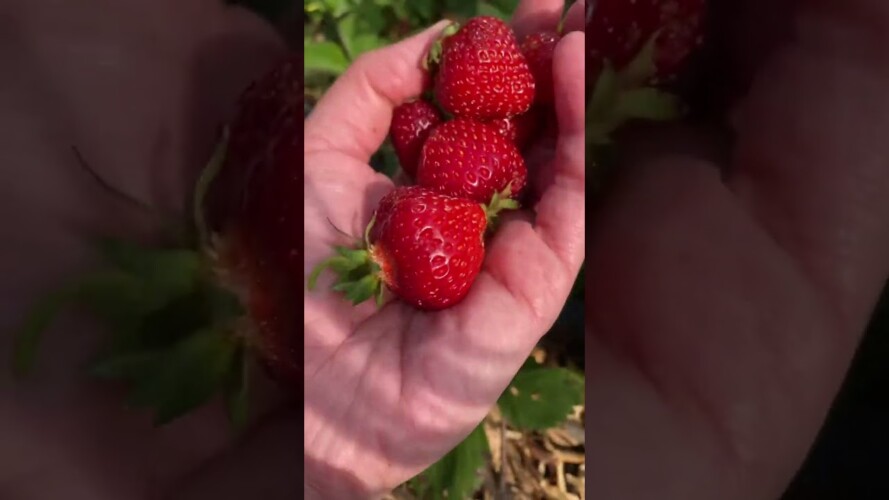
x=560 y=211
x=536 y=15
x=575 y=19
x=353 y=116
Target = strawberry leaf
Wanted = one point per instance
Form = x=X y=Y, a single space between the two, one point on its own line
x=164 y=273
x=111 y=294
x=180 y=379
x=489 y=9
x=126 y=367
x=457 y=475
x=642 y=68
x=648 y=104
x=541 y=397
x=432 y=60
x=613 y=104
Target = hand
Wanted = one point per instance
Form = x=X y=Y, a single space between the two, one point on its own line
x=723 y=311
x=389 y=391
x=139 y=87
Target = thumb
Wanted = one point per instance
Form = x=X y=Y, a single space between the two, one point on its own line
x=353 y=116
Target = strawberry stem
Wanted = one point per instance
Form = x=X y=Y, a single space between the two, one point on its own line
x=642 y=69
x=203 y=185
x=618 y=99
x=499 y=202
x=430 y=62
x=367 y=230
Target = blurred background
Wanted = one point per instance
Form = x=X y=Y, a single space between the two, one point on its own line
x=523 y=450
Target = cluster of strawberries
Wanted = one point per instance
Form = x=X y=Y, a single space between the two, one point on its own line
x=635 y=50
x=426 y=242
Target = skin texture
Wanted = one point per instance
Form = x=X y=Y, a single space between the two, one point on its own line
x=390 y=391
x=724 y=307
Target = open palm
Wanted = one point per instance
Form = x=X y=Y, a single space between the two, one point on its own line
x=725 y=304
x=389 y=391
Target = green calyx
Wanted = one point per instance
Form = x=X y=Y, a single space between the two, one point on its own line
x=173 y=338
x=622 y=96
x=176 y=336
x=431 y=61
x=499 y=202
x=359 y=276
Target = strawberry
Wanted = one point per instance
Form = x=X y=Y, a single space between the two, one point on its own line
x=482 y=74
x=259 y=245
x=539 y=49
x=506 y=127
x=262 y=110
x=619 y=30
x=411 y=124
x=467 y=159
x=186 y=319
x=426 y=248
x=634 y=47
x=520 y=129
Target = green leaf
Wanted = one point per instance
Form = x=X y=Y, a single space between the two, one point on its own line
x=642 y=68
x=359 y=31
x=164 y=274
x=487 y=9
x=648 y=103
x=541 y=397
x=186 y=376
x=324 y=57
x=423 y=10
x=507 y=7
x=463 y=9
x=115 y=296
x=457 y=475
x=337 y=8
x=385 y=160
x=366 y=43
x=346 y=30
x=126 y=367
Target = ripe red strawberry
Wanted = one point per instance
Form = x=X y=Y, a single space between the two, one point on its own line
x=520 y=129
x=618 y=30
x=270 y=103
x=482 y=74
x=411 y=124
x=425 y=247
x=259 y=236
x=471 y=160
x=539 y=49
